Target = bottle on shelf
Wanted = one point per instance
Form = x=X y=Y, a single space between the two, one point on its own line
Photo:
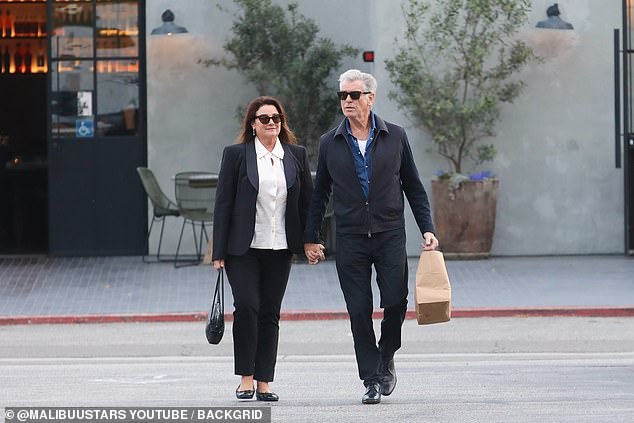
x=18 y=26
x=40 y=57
x=8 y=25
x=41 y=26
x=57 y=18
x=28 y=59
x=37 y=20
x=18 y=61
x=28 y=26
x=86 y=15
x=76 y=18
x=33 y=26
x=1 y=24
x=6 y=60
x=25 y=26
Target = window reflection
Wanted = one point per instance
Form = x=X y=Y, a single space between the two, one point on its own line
x=71 y=96
x=72 y=29
x=95 y=67
x=117 y=29
x=118 y=101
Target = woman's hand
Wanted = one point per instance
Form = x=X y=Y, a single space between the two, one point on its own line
x=219 y=264
x=314 y=252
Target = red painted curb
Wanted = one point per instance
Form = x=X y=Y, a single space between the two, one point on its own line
x=624 y=311
x=627 y=311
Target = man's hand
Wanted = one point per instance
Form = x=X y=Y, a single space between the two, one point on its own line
x=314 y=252
x=219 y=264
x=431 y=243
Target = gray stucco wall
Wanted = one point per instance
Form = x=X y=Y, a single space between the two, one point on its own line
x=559 y=190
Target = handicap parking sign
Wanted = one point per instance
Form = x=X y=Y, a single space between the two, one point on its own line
x=84 y=128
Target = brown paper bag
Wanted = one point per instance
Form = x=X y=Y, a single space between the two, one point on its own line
x=433 y=290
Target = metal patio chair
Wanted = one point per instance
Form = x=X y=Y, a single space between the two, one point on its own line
x=195 y=197
x=162 y=207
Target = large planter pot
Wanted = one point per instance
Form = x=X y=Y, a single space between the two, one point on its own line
x=465 y=217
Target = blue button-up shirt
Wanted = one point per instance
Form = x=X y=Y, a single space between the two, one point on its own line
x=362 y=163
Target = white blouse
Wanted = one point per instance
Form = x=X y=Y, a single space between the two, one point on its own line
x=270 y=207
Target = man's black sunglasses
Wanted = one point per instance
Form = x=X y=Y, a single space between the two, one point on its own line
x=355 y=95
x=266 y=118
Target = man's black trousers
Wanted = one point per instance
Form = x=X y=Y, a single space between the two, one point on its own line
x=355 y=256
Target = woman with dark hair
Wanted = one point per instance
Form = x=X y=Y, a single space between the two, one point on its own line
x=264 y=189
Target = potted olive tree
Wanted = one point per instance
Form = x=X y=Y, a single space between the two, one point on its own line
x=453 y=71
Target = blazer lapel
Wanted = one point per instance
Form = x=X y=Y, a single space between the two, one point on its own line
x=290 y=167
x=252 y=165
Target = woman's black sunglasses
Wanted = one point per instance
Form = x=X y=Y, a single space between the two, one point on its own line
x=355 y=95
x=264 y=119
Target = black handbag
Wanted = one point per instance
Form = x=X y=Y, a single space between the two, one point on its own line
x=215 y=327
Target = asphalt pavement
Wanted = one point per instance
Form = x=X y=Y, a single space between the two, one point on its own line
x=493 y=368
x=528 y=370
x=41 y=289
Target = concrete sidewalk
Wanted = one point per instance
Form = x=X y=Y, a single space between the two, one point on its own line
x=101 y=289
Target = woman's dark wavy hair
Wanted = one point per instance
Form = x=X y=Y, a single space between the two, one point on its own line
x=246 y=134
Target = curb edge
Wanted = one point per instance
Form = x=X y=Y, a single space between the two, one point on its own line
x=304 y=315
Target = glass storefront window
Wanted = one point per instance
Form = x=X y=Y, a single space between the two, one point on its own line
x=117 y=29
x=71 y=97
x=94 y=68
x=72 y=29
x=118 y=100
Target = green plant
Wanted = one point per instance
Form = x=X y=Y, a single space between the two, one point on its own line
x=280 y=53
x=456 y=68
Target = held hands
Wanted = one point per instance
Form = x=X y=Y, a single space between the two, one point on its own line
x=430 y=243
x=314 y=252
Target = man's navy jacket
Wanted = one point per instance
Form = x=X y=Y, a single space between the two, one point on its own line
x=393 y=173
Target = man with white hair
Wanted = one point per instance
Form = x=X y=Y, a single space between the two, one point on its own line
x=367 y=163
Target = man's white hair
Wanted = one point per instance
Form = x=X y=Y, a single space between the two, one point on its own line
x=369 y=82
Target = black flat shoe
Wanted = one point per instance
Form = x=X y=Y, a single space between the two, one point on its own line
x=388 y=377
x=267 y=396
x=372 y=394
x=248 y=394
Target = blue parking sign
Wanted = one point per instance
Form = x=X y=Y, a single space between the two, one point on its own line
x=85 y=128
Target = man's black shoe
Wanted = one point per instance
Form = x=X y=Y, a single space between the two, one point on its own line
x=388 y=377
x=372 y=394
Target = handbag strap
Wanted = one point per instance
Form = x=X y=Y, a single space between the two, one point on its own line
x=219 y=292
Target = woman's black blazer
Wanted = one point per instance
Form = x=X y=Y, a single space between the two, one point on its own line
x=236 y=194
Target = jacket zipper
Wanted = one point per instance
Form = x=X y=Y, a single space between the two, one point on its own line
x=367 y=203
x=367 y=208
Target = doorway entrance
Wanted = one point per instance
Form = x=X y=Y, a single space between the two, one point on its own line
x=97 y=131
x=23 y=152
x=72 y=127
